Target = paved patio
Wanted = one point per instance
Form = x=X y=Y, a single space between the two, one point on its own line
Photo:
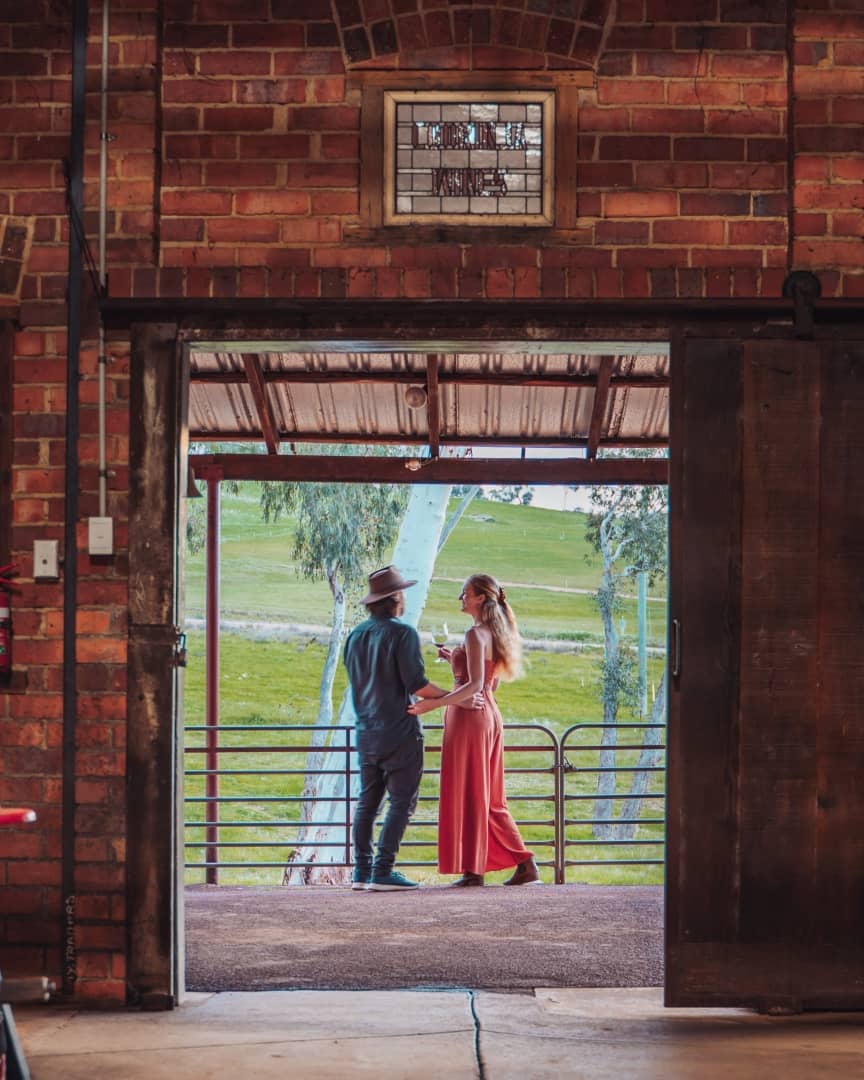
x=330 y=938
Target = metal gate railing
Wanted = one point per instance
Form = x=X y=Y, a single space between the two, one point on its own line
x=618 y=827
x=551 y=832
x=340 y=744
x=543 y=829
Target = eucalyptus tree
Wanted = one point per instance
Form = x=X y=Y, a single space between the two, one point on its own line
x=196 y=508
x=341 y=532
x=628 y=529
x=423 y=530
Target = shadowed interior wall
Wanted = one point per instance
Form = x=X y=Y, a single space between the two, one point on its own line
x=717 y=147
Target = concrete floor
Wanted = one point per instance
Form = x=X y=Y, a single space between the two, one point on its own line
x=589 y=1034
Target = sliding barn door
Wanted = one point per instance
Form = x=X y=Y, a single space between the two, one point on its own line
x=765 y=877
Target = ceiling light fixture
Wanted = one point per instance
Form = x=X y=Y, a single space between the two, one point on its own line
x=415 y=397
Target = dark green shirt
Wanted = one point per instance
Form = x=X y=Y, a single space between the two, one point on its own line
x=385 y=667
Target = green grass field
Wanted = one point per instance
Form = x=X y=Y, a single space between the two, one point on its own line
x=544 y=548
x=264 y=683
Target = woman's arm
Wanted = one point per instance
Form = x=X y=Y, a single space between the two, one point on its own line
x=475 y=651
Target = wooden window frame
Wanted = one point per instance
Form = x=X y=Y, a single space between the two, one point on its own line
x=373 y=86
x=394 y=98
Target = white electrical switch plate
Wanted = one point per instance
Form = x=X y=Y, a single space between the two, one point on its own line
x=100 y=536
x=45 y=560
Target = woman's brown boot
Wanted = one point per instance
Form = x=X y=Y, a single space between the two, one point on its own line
x=467 y=879
x=525 y=874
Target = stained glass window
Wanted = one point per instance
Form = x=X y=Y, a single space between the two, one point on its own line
x=468 y=157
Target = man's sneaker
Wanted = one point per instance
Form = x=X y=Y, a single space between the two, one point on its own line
x=360 y=878
x=392 y=882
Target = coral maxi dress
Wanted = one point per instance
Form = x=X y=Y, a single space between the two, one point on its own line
x=476 y=831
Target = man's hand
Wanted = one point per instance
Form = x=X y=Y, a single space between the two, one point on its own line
x=419 y=708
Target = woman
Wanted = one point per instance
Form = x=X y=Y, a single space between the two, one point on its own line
x=476 y=832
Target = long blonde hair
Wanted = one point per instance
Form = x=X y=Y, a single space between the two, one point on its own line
x=497 y=614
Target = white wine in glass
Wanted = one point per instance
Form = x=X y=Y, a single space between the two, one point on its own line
x=440 y=637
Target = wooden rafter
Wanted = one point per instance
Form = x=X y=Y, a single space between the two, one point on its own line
x=310 y=467
x=601 y=399
x=433 y=404
x=255 y=378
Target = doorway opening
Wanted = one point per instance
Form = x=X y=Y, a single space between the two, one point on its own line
x=514 y=419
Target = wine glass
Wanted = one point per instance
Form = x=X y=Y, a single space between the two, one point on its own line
x=440 y=637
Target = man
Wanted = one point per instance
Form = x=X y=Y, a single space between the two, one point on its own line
x=385 y=667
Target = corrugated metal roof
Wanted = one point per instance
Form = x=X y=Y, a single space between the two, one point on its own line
x=526 y=398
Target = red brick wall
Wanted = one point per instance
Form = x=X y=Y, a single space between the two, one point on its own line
x=34 y=138
x=828 y=204
x=234 y=172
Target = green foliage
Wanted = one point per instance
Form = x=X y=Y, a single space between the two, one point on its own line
x=196 y=509
x=511 y=493
x=196 y=526
x=630 y=523
x=618 y=680
x=341 y=530
x=628 y=529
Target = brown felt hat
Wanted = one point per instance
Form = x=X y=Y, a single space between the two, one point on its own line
x=385 y=582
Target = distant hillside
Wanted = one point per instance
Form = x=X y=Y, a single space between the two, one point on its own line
x=540 y=554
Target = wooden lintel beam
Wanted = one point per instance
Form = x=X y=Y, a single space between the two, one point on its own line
x=308 y=467
x=507 y=79
x=433 y=404
x=255 y=378
x=601 y=400
x=390 y=321
x=215 y=378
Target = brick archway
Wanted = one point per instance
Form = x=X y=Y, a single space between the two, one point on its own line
x=539 y=34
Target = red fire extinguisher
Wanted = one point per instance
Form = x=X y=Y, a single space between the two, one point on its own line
x=5 y=644
x=5 y=625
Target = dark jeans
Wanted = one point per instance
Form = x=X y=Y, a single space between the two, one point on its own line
x=397 y=773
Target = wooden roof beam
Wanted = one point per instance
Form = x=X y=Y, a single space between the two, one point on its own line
x=311 y=468
x=601 y=400
x=433 y=405
x=646 y=382
x=576 y=442
x=255 y=378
